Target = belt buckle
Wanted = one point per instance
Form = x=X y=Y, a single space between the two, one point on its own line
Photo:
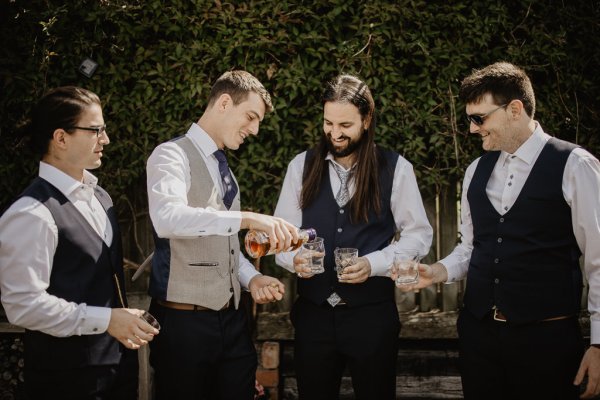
x=497 y=316
x=334 y=299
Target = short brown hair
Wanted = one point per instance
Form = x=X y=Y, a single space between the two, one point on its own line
x=238 y=84
x=503 y=81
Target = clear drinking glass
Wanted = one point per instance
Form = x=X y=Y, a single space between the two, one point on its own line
x=314 y=252
x=149 y=318
x=344 y=257
x=406 y=266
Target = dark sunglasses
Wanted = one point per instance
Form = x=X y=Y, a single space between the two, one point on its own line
x=98 y=129
x=479 y=119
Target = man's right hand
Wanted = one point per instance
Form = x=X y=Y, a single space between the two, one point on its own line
x=281 y=233
x=428 y=275
x=302 y=265
x=127 y=327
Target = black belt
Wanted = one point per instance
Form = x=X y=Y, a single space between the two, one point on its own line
x=498 y=316
x=190 y=307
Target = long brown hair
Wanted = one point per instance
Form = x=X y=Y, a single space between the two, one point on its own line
x=349 y=89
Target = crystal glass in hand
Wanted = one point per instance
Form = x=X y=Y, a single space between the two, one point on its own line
x=344 y=257
x=406 y=266
x=149 y=318
x=314 y=252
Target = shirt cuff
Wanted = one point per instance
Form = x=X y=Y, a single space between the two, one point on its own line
x=594 y=332
x=229 y=222
x=454 y=274
x=379 y=264
x=95 y=320
x=247 y=272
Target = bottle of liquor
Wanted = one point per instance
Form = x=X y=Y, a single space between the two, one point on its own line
x=258 y=245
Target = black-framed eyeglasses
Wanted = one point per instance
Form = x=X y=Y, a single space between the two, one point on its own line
x=100 y=130
x=479 y=119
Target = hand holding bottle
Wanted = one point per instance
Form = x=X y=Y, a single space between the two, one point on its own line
x=281 y=234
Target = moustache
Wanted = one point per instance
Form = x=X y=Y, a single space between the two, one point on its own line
x=343 y=137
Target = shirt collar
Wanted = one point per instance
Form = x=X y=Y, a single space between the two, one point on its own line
x=202 y=140
x=330 y=157
x=65 y=183
x=529 y=150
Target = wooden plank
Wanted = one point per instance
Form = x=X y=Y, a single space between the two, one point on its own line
x=407 y=388
x=7 y=327
x=430 y=325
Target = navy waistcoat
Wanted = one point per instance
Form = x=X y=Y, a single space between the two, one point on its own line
x=332 y=223
x=82 y=272
x=524 y=262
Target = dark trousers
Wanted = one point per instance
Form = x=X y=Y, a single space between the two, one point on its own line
x=206 y=355
x=110 y=382
x=503 y=361
x=327 y=340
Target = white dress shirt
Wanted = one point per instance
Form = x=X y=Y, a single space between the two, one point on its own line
x=405 y=202
x=169 y=177
x=581 y=190
x=28 y=241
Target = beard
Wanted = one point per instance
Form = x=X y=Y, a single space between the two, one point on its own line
x=350 y=148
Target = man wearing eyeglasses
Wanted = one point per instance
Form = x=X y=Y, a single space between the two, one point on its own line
x=530 y=209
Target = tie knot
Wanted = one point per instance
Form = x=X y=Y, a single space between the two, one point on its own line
x=341 y=173
x=220 y=156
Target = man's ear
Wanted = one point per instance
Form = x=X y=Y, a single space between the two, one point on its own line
x=367 y=122
x=223 y=102
x=59 y=137
x=516 y=109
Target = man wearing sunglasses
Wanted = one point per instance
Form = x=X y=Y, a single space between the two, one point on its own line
x=530 y=209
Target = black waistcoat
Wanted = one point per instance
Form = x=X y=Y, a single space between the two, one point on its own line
x=525 y=262
x=332 y=223
x=82 y=272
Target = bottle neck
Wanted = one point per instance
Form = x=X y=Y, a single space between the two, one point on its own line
x=307 y=234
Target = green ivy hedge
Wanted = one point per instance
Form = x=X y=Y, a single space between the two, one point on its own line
x=157 y=60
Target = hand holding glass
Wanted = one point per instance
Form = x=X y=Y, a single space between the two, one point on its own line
x=314 y=252
x=344 y=257
x=149 y=318
x=406 y=266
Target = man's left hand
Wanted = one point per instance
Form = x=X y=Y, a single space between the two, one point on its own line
x=358 y=272
x=590 y=366
x=265 y=289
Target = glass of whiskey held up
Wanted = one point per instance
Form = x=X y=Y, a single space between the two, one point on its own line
x=344 y=257
x=406 y=266
x=314 y=252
